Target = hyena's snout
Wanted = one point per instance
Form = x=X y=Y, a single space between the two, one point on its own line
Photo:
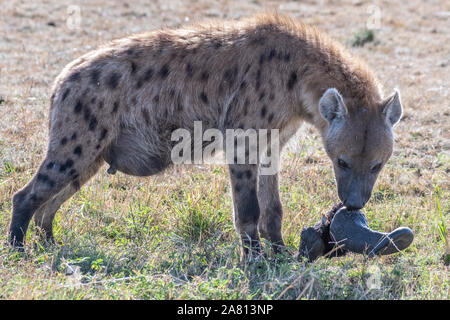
x=355 y=201
x=356 y=193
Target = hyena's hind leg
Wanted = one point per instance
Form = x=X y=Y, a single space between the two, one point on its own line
x=51 y=181
x=44 y=216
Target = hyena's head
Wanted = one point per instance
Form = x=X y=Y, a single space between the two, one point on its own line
x=359 y=141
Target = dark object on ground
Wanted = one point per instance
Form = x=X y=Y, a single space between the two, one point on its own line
x=341 y=230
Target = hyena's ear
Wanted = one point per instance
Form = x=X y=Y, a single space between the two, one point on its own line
x=332 y=106
x=392 y=108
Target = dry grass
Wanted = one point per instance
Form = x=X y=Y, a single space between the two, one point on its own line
x=171 y=236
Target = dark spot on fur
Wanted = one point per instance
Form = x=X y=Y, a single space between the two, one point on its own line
x=78 y=150
x=156 y=98
x=146 y=116
x=133 y=67
x=204 y=76
x=95 y=76
x=292 y=80
x=50 y=165
x=78 y=107
x=75 y=76
x=72 y=172
x=103 y=134
x=189 y=70
x=97 y=147
x=272 y=96
x=237 y=188
x=113 y=80
x=261 y=95
x=271 y=116
x=243 y=86
x=258 y=79
x=115 y=107
x=262 y=58
x=45 y=179
x=100 y=104
x=93 y=123
x=204 y=97
x=246 y=104
x=164 y=72
x=148 y=74
x=65 y=94
x=74 y=136
x=179 y=105
x=220 y=90
x=87 y=113
x=230 y=75
x=272 y=54
x=263 y=111
x=287 y=57
x=217 y=44
x=63 y=141
x=248 y=173
x=68 y=164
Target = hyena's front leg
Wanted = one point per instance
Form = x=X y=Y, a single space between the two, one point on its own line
x=271 y=211
x=246 y=208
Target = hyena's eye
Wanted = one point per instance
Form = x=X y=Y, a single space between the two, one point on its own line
x=376 y=168
x=342 y=164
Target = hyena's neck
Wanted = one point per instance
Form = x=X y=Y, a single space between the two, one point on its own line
x=316 y=63
x=351 y=78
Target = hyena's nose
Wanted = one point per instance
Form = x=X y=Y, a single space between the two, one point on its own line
x=354 y=202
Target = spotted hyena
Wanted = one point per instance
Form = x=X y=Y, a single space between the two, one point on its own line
x=121 y=103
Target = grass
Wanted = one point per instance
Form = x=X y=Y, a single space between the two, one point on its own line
x=362 y=37
x=172 y=236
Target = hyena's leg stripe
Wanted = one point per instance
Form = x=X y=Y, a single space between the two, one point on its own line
x=246 y=207
x=44 y=216
x=271 y=210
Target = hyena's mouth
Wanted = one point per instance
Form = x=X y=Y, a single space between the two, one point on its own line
x=342 y=230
